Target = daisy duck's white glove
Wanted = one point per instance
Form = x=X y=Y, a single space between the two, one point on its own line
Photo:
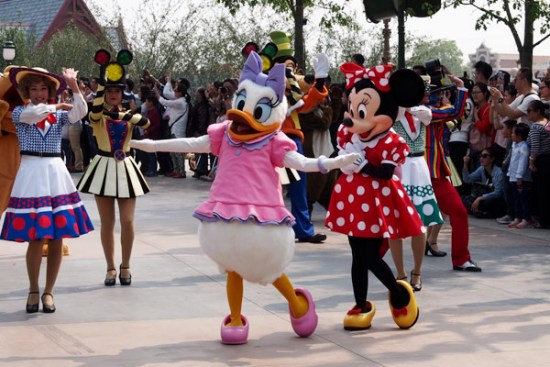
x=180 y=145
x=322 y=164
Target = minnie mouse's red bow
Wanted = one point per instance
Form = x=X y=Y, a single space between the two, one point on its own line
x=379 y=75
x=50 y=118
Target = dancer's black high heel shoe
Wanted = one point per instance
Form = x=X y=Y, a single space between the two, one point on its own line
x=435 y=253
x=109 y=282
x=32 y=308
x=124 y=281
x=45 y=307
x=417 y=287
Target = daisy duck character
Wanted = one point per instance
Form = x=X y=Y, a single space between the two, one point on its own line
x=244 y=225
x=369 y=203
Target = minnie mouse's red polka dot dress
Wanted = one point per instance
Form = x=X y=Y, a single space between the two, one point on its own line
x=370 y=207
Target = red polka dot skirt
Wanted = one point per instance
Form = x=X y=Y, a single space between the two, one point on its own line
x=44 y=203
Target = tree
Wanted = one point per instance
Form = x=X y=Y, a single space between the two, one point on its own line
x=510 y=13
x=69 y=47
x=333 y=13
x=446 y=51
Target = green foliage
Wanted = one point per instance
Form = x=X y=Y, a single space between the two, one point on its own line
x=534 y=13
x=69 y=47
x=446 y=51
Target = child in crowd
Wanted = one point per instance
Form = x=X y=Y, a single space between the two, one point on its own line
x=44 y=205
x=520 y=177
x=507 y=129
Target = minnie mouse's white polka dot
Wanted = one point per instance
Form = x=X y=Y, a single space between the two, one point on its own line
x=386 y=211
x=396 y=157
x=340 y=221
x=365 y=207
x=390 y=229
x=374 y=228
x=396 y=213
x=410 y=210
x=386 y=235
x=351 y=217
x=377 y=201
x=349 y=178
x=361 y=226
x=340 y=205
x=351 y=198
x=338 y=188
x=386 y=191
x=375 y=184
x=360 y=190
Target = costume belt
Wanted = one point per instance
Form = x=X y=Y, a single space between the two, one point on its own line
x=417 y=154
x=118 y=154
x=40 y=154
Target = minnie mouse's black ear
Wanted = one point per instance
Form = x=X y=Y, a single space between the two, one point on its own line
x=407 y=87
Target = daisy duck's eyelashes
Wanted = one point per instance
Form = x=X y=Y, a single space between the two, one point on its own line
x=275 y=79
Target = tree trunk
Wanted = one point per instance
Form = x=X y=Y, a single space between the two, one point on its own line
x=526 y=54
x=299 y=52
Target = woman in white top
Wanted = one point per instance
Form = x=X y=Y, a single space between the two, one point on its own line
x=177 y=106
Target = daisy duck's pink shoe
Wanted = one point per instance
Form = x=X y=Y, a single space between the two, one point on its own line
x=234 y=334
x=305 y=325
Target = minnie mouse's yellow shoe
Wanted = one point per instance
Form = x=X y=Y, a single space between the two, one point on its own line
x=407 y=316
x=357 y=320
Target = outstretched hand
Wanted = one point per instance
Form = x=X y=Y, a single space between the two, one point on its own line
x=147 y=145
x=340 y=161
x=70 y=75
x=320 y=65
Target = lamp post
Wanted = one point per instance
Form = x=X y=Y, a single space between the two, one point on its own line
x=8 y=52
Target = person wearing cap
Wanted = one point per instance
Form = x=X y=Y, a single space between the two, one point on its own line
x=299 y=102
x=440 y=171
x=113 y=175
x=44 y=203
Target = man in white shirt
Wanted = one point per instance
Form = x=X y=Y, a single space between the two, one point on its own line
x=517 y=110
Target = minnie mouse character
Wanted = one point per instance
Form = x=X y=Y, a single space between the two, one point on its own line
x=369 y=203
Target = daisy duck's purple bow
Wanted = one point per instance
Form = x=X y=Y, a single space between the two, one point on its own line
x=252 y=71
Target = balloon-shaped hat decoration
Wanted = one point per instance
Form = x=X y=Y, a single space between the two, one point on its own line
x=267 y=54
x=113 y=70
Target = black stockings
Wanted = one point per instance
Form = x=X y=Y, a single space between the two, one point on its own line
x=366 y=256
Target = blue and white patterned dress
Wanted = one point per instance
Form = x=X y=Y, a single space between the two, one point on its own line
x=44 y=202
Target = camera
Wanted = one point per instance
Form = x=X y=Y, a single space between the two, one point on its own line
x=436 y=72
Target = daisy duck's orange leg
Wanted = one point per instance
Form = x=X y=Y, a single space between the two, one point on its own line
x=234 y=289
x=302 y=309
x=234 y=329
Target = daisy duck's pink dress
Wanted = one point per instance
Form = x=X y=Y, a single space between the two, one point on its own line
x=245 y=212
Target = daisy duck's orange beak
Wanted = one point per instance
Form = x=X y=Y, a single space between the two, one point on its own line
x=244 y=126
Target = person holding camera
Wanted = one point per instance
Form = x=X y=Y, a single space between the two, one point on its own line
x=177 y=103
x=440 y=171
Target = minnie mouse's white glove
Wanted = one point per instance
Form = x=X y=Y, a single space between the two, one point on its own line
x=320 y=65
x=359 y=163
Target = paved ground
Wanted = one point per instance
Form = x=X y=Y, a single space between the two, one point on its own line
x=171 y=314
